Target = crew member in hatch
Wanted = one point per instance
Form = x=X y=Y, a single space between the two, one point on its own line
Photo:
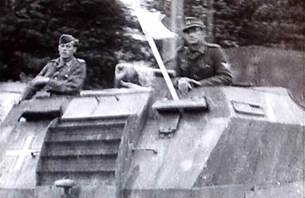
x=199 y=63
x=64 y=75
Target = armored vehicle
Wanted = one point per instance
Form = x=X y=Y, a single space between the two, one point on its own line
x=217 y=142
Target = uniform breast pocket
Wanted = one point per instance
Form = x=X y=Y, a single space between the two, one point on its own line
x=184 y=67
x=205 y=70
x=206 y=66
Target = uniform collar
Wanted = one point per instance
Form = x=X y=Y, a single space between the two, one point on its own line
x=193 y=54
x=202 y=49
x=61 y=63
x=199 y=48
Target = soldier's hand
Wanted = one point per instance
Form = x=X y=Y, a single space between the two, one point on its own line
x=188 y=83
x=40 y=80
x=184 y=85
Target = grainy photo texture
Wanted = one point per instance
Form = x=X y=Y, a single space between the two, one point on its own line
x=152 y=98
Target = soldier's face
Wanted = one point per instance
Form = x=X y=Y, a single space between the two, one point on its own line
x=193 y=35
x=66 y=50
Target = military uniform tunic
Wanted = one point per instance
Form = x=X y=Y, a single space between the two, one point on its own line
x=207 y=65
x=65 y=79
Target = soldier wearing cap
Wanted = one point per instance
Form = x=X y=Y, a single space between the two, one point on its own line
x=64 y=75
x=199 y=63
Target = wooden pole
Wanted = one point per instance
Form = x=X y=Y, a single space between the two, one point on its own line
x=156 y=54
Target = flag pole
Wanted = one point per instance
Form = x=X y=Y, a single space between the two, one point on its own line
x=156 y=54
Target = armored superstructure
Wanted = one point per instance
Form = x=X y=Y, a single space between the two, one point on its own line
x=216 y=142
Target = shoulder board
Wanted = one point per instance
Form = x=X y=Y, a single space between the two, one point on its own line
x=213 y=45
x=180 y=46
x=55 y=60
x=220 y=49
x=80 y=60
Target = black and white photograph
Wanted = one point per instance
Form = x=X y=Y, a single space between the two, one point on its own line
x=152 y=99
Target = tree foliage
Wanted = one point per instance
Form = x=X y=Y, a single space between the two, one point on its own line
x=29 y=32
x=273 y=23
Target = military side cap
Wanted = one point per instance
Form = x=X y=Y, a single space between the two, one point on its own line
x=190 y=22
x=67 y=38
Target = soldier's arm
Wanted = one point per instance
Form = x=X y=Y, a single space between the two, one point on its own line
x=44 y=70
x=73 y=83
x=223 y=74
x=35 y=84
x=41 y=78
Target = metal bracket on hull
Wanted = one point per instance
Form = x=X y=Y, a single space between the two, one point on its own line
x=168 y=124
x=171 y=111
x=248 y=108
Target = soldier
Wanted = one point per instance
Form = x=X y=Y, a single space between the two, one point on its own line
x=62 y=76
x=200 y=63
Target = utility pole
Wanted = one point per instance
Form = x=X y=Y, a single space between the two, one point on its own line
x=207 y=10
x=210 y=20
